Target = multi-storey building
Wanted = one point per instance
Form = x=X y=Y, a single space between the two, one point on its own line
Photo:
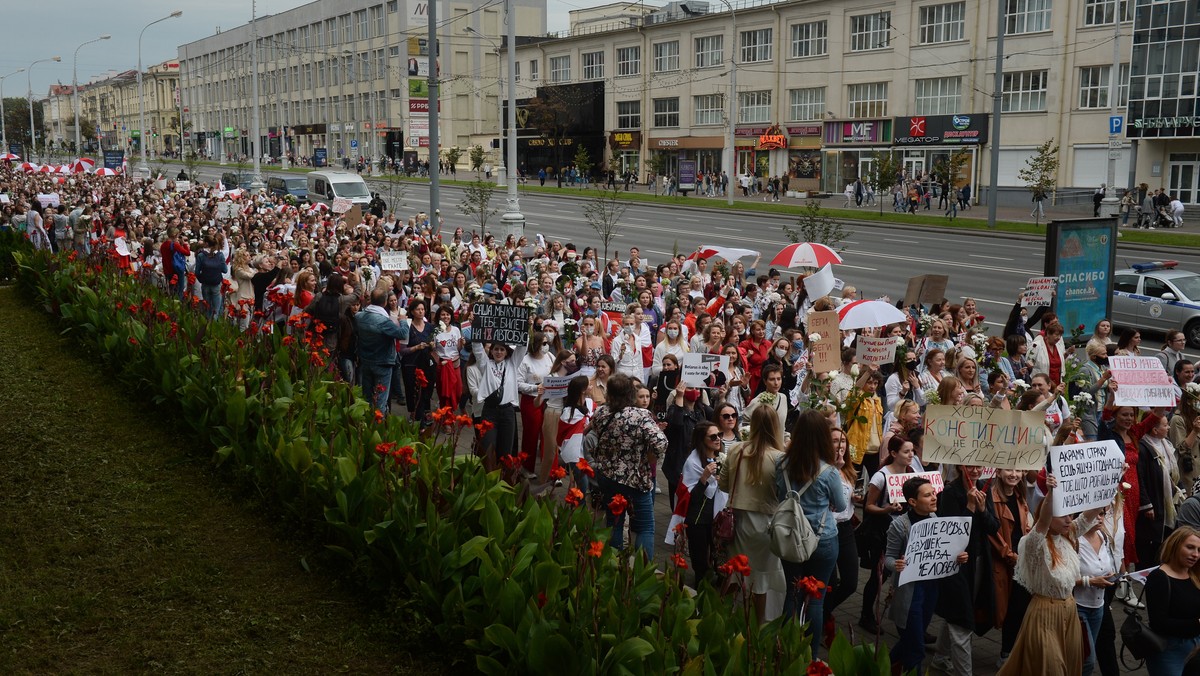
x=1164 y=117
x=822 y=86
x=111 y=103
x=350 y=78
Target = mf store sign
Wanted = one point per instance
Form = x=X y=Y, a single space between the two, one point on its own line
x=858 y=132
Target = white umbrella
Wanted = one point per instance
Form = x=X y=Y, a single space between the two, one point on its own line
x=863 y=314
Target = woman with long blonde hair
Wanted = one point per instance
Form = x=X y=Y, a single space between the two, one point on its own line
x=748 y=475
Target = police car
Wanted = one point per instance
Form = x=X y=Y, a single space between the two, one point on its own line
x=1155 y=296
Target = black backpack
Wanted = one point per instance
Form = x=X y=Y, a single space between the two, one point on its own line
x=328 y=312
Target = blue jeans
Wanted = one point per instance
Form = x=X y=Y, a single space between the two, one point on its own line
x=1091 y=617
x=1171 y=660
x=640 y=511
x=372 y=377
x=820 y=566
x=909 y=650
x=211 y=294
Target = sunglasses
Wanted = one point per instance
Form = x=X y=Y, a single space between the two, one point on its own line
x=729 y=416
x=714 y=437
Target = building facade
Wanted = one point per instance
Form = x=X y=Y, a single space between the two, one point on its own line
x=823 y=86
x=342 y=79
x=111 y=104
x=1164 y=117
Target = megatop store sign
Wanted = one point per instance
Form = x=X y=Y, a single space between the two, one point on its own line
x=920 y=130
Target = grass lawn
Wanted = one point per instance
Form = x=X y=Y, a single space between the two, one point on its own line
x=123 y=551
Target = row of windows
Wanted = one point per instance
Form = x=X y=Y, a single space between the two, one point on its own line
x=936 y=24
x=1024 y=91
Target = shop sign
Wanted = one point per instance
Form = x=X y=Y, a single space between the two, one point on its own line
x=752 y=132
x=550 y=143
x=303 y=129
x=859 y=132
x=624 y=139
x=1165 y=122
x=920 y=130
x=773 y=139
x=805 y=130
x=666 y=143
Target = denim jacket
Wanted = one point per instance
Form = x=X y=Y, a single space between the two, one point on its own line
x=377 y=336
x=820 y=501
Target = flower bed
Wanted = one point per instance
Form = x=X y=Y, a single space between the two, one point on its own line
x=526 y=584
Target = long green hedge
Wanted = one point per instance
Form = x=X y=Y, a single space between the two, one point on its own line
x=524 y=583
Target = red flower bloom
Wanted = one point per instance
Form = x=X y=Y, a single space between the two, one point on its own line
x=385 y=448
x=422 y=381
x=557 y=472
x=405 y=454
x=483 y=427
x=191 y=278
x=574 y=497
x=679 y=561
x=288 y=340
x=174 y=280
x=595 y=549
x=226 y=286
x=585 y=468
x=618 y=504
x=811 y=587
x=463 y=420
x=739 y=564
x=378 y=417
x=508 y=461
x=541 y=599
x=818 y=668
x=315 y=360
x=132 y=340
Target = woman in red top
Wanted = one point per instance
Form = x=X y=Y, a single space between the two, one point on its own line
x=756 y=348
x=1120 y=425
x=306 y=287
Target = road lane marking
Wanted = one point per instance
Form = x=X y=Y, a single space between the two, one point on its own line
x=993 y=258
x=902 y=241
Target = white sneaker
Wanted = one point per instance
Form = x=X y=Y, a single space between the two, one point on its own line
x=658 y=490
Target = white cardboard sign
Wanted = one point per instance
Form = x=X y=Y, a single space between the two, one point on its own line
x=696 y=367
x=895 y=484
x=1141 y=381
x=1089 y=475
x=933 y=548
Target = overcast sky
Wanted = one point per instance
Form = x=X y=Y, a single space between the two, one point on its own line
x=40 y=29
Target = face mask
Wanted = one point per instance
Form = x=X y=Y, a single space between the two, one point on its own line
x=798 y=345
x=629 y=330
x=729 y=311
x=542 y=350
x=445 y=297
x=780 y=352
x=911 y=365
x=550 y=335
x=672 y=333
x=587 y=330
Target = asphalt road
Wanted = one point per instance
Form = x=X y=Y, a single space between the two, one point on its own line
x=879 y=259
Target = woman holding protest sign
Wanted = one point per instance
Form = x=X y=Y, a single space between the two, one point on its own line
x=966 y=600
x=878 y=510
x=1119 y=423
x=1051 y=638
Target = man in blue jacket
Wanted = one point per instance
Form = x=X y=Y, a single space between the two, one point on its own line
x=377 y=336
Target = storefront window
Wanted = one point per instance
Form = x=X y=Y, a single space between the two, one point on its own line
x=709 y=161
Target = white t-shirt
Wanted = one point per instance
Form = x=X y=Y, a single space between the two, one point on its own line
x=446 y=343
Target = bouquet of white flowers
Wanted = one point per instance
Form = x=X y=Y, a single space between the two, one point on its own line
x=1082 y=404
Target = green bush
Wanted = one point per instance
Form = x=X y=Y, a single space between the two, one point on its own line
x=526 y=584
x=11 y=242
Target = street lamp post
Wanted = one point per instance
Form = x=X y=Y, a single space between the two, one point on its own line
x=29 y=80
x=141 y=94
x=75 y=91
x=513 y=219
x=4 y=129
x=501 y=178
x=729 y=134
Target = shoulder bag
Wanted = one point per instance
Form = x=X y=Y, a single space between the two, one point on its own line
x=1137 y=637
x=724 y=522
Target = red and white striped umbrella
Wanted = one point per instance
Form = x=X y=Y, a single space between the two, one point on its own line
x=806 y=255
x=83 y=165
x=10 y=157
x=863 y=314
x=46 y=169
x=62 y=169
x=105 y=171
x=317 y=206
x=29 y=167
x=727 y=252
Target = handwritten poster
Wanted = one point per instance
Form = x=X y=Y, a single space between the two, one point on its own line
x=1088 y=475
x=1141 y=381
x=826 y=350
x=496 y=323
x=393 y=261
x=876 y=351
x=1039 y=292
x=933 y=548
x=984 y=436
x=555 y=387
x=341 y=205
x=895 y=484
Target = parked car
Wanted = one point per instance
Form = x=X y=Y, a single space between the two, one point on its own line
x=231 y=180
x=1158 y=297
x=296 y=186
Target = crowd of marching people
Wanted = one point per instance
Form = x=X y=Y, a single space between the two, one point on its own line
x=587 y=399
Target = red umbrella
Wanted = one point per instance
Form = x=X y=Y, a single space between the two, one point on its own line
x=806 y=255
x=105 y=171
x=28 y=167
x=45 y=169
x=862 y=314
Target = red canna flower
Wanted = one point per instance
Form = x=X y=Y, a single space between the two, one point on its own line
x=174 y=330
x=241 y=343
x=463 y=420
x=132 y=340
x=739 y=564
x=422 y=381
x=811 y=587
x=162 y=316
x=378 y=417
x=174 y=280
x=678 y=528
x=315 y=360
x=595 y=549
x=483 y=427
x=541 y=599
x=385 y=448
x=120 y=306
x=574 y=497
x=679 y=562
x=226 y=287
x=618 y=504
x=191 y=277
x=557 y=472
x=508 y=461
x=585 y=468
x=289 y=339
x=379 y=389
x=818 y=668
x=405 y=454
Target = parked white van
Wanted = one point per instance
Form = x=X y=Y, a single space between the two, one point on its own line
x=325 y=186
